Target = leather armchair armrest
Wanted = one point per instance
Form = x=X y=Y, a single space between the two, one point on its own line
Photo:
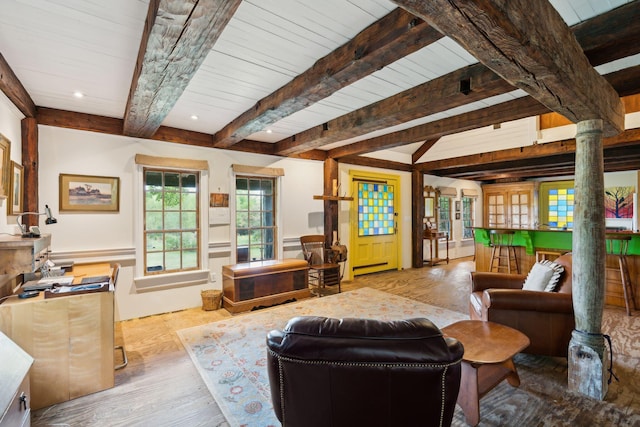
x=484 y=280
x=511 y=299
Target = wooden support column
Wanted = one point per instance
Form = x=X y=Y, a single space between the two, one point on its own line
x=588 y=359
x=417 y=217
x=330 y=206
x=29 y=127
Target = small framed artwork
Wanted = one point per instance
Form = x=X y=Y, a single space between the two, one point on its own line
x=219 y=200
x=17 y=189
x=457 y=205
x=87 y=193
x=457 y=215
x=5 y=165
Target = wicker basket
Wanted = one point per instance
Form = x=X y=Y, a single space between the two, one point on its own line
x=211 y=299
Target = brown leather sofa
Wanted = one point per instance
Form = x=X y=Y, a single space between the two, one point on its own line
x=545 y=317
x=362 y=372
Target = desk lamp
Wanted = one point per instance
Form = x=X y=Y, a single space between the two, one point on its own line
x=35 y=231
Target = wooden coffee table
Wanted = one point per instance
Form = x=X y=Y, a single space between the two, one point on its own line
x=488 y=351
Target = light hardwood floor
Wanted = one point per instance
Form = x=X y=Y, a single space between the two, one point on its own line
x=161 y=387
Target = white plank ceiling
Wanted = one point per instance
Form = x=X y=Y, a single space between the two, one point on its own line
x=57 y=47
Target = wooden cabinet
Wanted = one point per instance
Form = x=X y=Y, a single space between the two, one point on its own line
x=15 y=399
x=71 y=339
x=510 y=205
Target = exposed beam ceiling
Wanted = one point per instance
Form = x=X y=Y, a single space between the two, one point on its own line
x=626 y=82
x=177 y=37
x=434 y=96
x=387 y=40
x=502 y=37
x=622 y=152
x=429 y=97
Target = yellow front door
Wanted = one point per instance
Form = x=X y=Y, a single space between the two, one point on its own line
x=374 y=233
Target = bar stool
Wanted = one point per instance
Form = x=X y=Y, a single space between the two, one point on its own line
x=501 y=241
x=618 y=244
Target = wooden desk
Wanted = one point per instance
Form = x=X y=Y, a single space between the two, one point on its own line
x=71 y=339
x=488 y=351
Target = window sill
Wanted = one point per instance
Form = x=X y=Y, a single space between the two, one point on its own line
x=159 y=282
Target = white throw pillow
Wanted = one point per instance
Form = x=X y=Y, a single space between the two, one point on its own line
x=544 y=276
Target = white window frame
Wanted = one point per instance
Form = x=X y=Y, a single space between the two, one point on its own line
x=258 y=173
x=474 y=201
x=176 y=279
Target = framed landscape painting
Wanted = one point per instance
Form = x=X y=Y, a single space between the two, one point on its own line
x=5 y=165
x=86 y=193
x=16 y=189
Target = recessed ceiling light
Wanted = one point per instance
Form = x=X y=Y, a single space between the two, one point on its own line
x=78 y=94
x=269 y=131
x=194 y=117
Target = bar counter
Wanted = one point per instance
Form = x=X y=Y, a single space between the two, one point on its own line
x=529 y=242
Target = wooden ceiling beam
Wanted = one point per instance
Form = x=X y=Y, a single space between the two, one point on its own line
x=426 y=146
x=626 y=82
x=178 y=35
x=13 y=89
x=511 y=110
x=376 y=163
x=540 y=56
x=434 y=96
x=490 y=160
x=387 y=40
x=610 y=36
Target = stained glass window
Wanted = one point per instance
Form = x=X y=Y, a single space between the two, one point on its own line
x=375 y=209
x=560 y=213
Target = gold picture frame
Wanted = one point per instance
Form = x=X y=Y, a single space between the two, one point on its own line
x=5 y=165
x=89 y=193
x=16 y=195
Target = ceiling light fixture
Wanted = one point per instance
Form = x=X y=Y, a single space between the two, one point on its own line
x=78 y=94
x=269 y=131
x=194 y=117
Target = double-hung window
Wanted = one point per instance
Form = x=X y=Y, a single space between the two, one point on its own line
x=468 y=214
x=444 y=215
x=255 y=209
x=171 y=225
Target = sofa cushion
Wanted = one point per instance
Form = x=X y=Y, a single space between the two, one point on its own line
x=544 y=276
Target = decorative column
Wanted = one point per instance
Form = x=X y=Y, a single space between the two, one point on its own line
x=588 y=359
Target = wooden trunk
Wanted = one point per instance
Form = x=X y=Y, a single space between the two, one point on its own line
x=263 y=283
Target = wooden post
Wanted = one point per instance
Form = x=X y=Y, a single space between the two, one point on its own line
x=587 y=358
x=330 y=206
x=417 y=217
x=30 y=163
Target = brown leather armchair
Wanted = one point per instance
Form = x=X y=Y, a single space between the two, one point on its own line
x=545 y=317
x=362 y=372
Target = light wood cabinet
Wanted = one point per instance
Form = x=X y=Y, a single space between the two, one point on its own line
x=71 y=339
x=512 y=205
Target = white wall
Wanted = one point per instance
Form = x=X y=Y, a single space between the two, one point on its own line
x=110 y=236
x=10 y=118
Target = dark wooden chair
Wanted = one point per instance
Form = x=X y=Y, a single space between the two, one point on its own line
x=322 y=273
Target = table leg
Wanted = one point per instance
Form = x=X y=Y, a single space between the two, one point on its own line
x=512 y=377
x=468 y=397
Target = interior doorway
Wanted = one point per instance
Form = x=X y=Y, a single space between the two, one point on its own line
x=375 y=232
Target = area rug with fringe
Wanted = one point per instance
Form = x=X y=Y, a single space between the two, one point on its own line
x=231 y=354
